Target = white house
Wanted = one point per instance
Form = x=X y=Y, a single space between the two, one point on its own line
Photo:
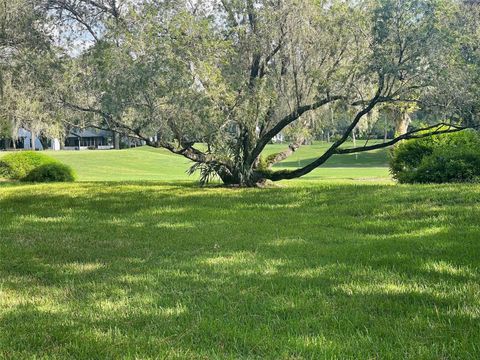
x=77 y=139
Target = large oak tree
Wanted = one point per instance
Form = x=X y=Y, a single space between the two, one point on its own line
x=233 y=74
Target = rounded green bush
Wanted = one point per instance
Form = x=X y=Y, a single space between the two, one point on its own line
x=17 y=165
x=438 y=159
x=52 y=172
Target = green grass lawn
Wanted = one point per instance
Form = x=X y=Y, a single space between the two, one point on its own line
x=147 y=164
x=136 y=261
x=316 y=271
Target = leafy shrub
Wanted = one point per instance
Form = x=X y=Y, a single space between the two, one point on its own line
x=17 y=165
x=446 y=166
x=52 y=172
x=438 y=159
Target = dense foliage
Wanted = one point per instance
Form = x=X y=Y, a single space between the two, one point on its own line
x=438 y=159
x=18 y=165
x=52 y=172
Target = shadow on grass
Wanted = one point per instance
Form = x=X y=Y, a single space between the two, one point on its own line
x=148 y=270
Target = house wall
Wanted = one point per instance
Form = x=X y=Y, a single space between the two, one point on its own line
x=27 y=141
x=100 y=142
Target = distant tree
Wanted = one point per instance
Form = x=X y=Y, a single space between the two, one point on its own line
x=24 y=53
x=95 y=83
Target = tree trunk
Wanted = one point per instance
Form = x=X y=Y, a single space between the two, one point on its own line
x=354 y=138
x=116 y=140
x=33 y=140
x=402 y=122
x=241 y=176
x=44 y=142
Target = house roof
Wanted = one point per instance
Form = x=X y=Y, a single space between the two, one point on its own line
x=89 y=132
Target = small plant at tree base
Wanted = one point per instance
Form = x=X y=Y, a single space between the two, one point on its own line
x=16 y=166
x=52 y=172
x=438 y=159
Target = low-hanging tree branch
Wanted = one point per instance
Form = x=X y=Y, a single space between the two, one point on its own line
x=187 y=151
x=438 y=129
x=293 y=147
x=285 y=175
x=295 y=115
x=287 y=120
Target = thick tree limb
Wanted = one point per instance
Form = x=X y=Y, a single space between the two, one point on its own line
x=438 y=129
x=284 y=175
x=287 y=120
x=282 y=155
x=295 y=115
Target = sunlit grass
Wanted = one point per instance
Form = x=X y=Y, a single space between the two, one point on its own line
x=309 y=270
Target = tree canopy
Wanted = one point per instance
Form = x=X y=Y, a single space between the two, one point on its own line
x=234 y=74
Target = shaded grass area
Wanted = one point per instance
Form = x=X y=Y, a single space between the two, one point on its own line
x=150 y=270
x=149 y=164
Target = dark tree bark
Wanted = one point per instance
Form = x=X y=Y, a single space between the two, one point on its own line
x=44 y=142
